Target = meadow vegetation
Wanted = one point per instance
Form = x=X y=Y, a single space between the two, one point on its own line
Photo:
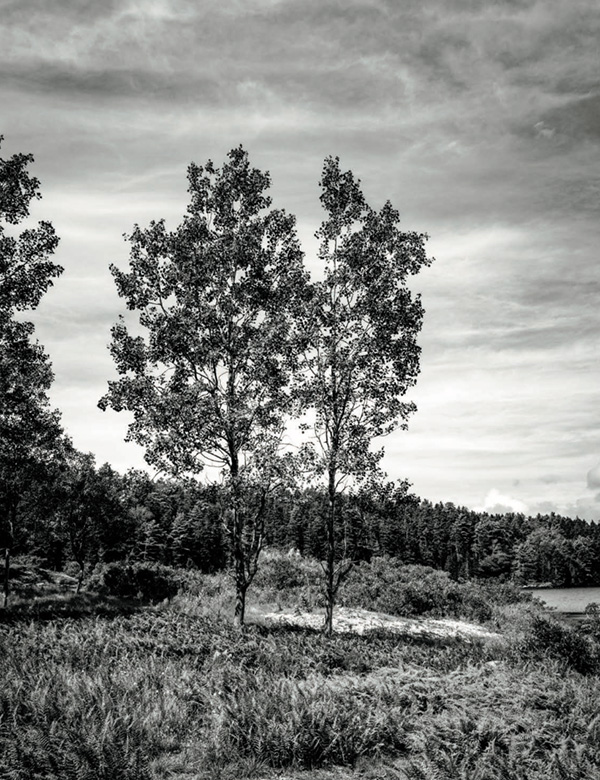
x=112 y=683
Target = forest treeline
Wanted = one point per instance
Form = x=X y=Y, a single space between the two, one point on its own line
x=83 y=516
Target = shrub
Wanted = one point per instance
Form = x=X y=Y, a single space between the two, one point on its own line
x=590 y=625
x=147 y=582
x=504 y=593
x=291 y=581
x=389 y=585
x=548 y=637
x=278 y=571
x=27 y=578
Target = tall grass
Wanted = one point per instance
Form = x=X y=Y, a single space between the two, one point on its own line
x=306 y=723
x=174 y=691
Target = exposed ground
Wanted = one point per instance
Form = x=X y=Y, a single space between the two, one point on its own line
x=362 y=621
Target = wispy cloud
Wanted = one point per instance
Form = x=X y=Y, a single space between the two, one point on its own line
x=480 y=121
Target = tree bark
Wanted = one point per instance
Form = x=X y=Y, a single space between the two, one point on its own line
x=240 y=596
x=239 y=569
x=330 y=589
x=6 y=588
x=7 y=551
x=80 y=578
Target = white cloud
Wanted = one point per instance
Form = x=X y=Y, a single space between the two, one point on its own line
x=497 y=502
x=593 y=477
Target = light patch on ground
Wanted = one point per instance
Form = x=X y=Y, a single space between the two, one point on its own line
x=362 y=621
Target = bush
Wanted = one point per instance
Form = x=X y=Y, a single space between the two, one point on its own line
x=279 y=572
x=590 y=625
x=549 y=638
x=504 y=593
x=388 y=585
x=291 y=581
x=147 y=582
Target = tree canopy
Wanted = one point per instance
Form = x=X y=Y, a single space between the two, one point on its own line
x=359 y=350
x=29 y=428
x=217 y=298
x=26 y=268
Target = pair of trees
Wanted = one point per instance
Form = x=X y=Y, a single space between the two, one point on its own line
x=238 y=340
x=29 y=428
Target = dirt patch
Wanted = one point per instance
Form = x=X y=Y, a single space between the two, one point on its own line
x=362 y=621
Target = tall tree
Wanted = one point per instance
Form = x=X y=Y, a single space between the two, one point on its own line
x=29 y=428
x=82 y=506
x=360 y=349
x=26 y=270
x=218 y=299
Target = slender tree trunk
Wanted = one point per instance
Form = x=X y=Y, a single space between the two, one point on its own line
x=330 y=589
x=80 y=578
x=6 y=588
x=239 y=567
x=240 y=608
x=240 y=596
x=7 y=551
x=330 y=584
x=248 y=546
x=237 y=534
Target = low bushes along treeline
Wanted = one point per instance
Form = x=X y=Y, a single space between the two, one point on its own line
x=383 y=585
x=86 y=515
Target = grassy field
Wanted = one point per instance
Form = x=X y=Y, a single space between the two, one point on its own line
x=93 y=687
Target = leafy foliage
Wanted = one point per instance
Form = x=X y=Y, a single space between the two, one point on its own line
x=590 y=625
x=217 y=298
x=549 y=637
x=26 y=271
x=29 y=428
x=361 y=354
x=147 y=582
x=388 y=585
x=358 y=346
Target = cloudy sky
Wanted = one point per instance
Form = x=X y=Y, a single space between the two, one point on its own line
x=479 y=120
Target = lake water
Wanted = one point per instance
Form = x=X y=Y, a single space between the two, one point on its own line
x=571 y=601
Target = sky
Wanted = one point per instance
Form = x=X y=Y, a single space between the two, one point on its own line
x=478 y=120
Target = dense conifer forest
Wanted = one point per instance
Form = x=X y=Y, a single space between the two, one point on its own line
x=86 y=516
